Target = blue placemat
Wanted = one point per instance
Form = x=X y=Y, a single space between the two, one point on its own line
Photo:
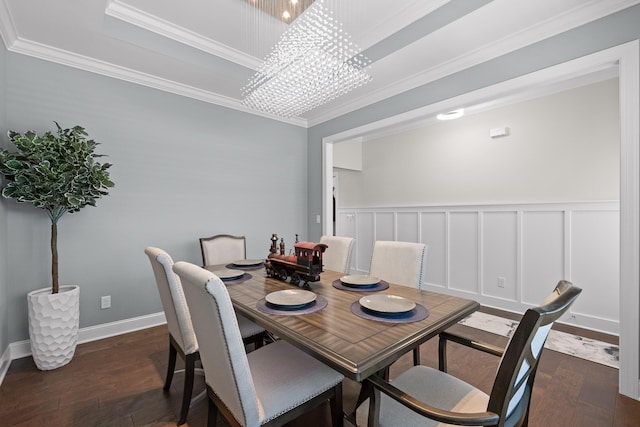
x=317 y=305
x=381 y=285
x=244 y=277
x=419 y=313
x=232 y=266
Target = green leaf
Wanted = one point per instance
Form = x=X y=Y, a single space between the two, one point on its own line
x=55 y=171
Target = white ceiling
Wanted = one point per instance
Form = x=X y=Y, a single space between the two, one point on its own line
x=205 y=49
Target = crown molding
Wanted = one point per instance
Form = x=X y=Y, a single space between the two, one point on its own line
x=92 y=65
x=131 y=15
x=7 y=26
x=580 y=15
x=576 y=17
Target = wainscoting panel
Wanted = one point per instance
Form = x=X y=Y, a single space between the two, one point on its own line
x=543 y=255
x=408 y=226
x=594 y=263
x=464 y=252
x=366 y=235
x=499 y=255
x=506 y=256
x=434 y=231
x=385 y=225
x=347 y=223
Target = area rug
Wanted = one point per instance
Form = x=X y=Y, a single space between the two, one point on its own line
x=584 y=348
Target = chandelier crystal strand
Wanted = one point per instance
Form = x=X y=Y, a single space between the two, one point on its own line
x=314 y=62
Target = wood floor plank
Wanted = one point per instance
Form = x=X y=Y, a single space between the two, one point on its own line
x=118 y=382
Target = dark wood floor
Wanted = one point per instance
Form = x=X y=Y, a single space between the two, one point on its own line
x=118 y=382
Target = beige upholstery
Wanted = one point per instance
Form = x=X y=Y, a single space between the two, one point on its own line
x=173 y=302
x=402 y=263
x=260 y=387
x=449 y=400
x=182 y=338
x=222 y=249
x=337 y=256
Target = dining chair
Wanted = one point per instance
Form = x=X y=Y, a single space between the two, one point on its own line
x=337 y=256
x=424 y=396
x=457 y=335
x=402 y=263
x=182 y=339
x=269 y=386
x=222 y=249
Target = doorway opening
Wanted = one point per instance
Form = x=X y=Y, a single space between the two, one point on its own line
x=624 y=58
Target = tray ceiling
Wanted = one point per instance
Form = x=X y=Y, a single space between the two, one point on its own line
x=208 y=50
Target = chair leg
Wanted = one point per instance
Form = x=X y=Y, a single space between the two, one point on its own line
x=259 y=340
x=171 y=366
x=189 y=373
x=212 y=413
x=416 y=356
x=256 y=340
x=442 y=354
x=337 y=412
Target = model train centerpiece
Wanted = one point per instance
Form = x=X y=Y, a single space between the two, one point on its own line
x=304 y=265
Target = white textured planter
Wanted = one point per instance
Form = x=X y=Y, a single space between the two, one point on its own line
x=53 y=325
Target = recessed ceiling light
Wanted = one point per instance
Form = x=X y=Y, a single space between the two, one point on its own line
x=294 y=2
x=286 y=15
x=451 y=114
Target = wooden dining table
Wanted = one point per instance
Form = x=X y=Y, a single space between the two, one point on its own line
x=355 y=346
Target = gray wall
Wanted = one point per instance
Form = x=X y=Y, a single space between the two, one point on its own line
x=183 y=169
x=607 y=32
x=4 y=314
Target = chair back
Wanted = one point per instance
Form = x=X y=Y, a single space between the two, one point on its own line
x=222 y=351
x=402 y=263
x=337 y=256
x=174 y=303
x=511 y=392
x=222 y=249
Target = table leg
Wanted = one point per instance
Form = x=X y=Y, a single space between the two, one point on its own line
x=365 y=393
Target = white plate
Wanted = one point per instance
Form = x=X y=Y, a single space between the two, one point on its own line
x=359 y=280
x=248 y=262
x=228 y=273
x=383 y=303
x=290 y=297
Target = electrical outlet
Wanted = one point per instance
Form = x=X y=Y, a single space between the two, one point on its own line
x=501 y=282
x=105 y=302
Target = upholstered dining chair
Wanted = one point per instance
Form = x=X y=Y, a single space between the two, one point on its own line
x=222 y=248
x=423 y=396
x=269 y=386
x=402 y=263
x=337 y=256
x=182 y=339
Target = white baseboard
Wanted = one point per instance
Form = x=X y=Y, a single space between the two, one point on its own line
x=120 y=327
x=21 y=349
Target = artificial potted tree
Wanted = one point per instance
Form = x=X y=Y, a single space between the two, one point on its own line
x=59 y=174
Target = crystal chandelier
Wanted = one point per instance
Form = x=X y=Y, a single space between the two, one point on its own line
x=314 y=62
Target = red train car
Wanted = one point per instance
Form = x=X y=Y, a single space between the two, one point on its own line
x=305 y=265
